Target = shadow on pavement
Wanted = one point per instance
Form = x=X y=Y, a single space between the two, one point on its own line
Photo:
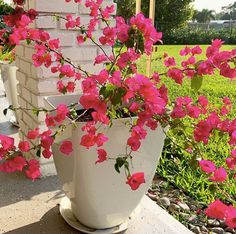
x=50 y=223
x=15 y=187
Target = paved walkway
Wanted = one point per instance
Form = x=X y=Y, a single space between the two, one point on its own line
x=28 y=207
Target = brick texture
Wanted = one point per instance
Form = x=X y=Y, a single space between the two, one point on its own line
x=37 y=83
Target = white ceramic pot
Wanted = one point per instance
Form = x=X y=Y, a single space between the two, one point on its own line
x=99 y=196
x=8 y=74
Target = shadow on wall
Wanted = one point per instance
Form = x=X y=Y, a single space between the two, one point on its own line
x=15 y=187
x=50 y=223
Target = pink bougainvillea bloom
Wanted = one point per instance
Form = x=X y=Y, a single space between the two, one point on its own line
x=102 y=156
x=207 y=166
x=134 y=143
x=135 y=180
x=170 y=62
x=220 y=175
x=18 y=163
x=33 y=171
x=66 y=147
x=231 y=217
x=233 y=153
x=6 y=142
x=231 y=163
x=24 y=146
x=47 y=153
x=33 y=134
x=216 y=210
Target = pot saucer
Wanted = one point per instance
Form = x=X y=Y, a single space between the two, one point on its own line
x=67 y=214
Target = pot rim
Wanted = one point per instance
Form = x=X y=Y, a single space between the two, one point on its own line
x=120 y=121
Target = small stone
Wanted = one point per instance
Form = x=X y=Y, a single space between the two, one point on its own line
x=152 y=196
x=213 y=223
x=222 y=224
x=204 y=229
x=218 y=230
x=228 y=229
x=184 y=215
x=176 y=193
x=164 y=201
x=174 y=207
x=192 y=218
x=183 y=206
x=196 y=230
x=193 y=207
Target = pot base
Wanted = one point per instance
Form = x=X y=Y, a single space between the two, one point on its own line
x=68 y=216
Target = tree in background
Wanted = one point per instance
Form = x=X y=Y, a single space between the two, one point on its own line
x=229 y=12
x=126 y=8
x=204 y=16
x=170 y=14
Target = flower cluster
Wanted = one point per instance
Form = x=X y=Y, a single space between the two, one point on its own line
x=119 y=88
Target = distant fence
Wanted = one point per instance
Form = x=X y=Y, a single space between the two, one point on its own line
x=215 y=24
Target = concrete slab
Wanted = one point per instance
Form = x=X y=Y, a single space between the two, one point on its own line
x=32 y=207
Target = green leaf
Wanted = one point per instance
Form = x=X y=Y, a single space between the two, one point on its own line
x=119 y=163
x=36 y=112
x=196 y=82
x=11 y=107
x=5 y=111
x=38 y=153
x=28 y=41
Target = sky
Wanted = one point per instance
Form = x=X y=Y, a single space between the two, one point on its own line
x=211 y=4
x=201 y=4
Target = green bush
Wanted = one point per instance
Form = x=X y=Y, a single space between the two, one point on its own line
x=188 y=36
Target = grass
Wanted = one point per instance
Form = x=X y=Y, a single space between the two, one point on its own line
x=175 y=164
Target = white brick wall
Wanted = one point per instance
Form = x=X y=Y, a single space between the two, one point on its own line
x=36 y=83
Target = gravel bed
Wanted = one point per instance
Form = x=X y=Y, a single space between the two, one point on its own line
x=186 y=209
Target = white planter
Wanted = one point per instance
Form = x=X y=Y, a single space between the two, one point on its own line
x=8 y=74
x=99 y=196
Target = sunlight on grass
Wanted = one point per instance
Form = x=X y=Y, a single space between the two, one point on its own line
x=175 y=165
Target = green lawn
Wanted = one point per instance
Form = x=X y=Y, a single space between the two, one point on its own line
x=176 y=165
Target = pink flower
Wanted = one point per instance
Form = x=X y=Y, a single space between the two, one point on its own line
x=170 y=62
x=196 y=50
x=100 y=59
x=101 y=139
x=88 y=140
x=216 y=210
x=231 y=217
x=24 y=146
x=135 y=180
x=134 y=143
x=220 y=175
x=18 y=163
x=185 y=51
x=231 y=163
x=33 y=134
x=176 y=75
x=50 y=121
x=33 y=171
x=207 y=166
x=66 y=147
x=47 y=153
x=6 y=142
x=102 y=156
